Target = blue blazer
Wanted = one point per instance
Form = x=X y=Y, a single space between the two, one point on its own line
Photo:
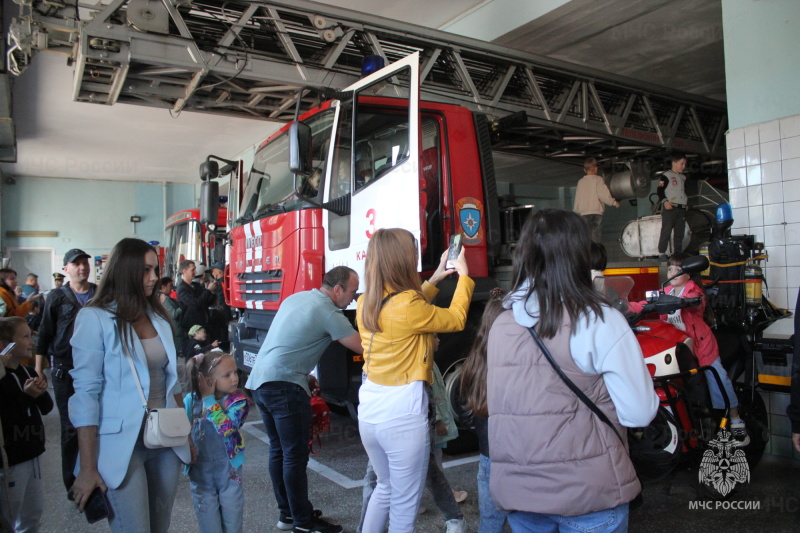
x=106 y=394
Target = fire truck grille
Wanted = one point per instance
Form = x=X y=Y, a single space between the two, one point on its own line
x=260 y=286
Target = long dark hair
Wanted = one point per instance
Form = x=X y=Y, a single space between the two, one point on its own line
x=121 y=291
x=552 y=255
x=3 y=273
x=473 y=373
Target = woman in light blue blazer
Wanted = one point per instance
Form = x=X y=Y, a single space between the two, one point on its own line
x=107 y=410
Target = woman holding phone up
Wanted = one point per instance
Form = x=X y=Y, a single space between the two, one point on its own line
x=397 y=324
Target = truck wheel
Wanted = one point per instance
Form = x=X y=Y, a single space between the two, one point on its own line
x=467 y=440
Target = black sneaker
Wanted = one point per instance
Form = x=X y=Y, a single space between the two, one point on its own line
x=285 y=523
x=319 y=526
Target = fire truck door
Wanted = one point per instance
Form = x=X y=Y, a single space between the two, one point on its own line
x=385 y=158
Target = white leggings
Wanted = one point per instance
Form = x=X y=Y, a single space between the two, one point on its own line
x=398 y=450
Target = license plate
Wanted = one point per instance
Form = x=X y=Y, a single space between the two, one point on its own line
x=250 y=358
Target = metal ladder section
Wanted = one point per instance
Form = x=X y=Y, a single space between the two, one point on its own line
x=249 y=58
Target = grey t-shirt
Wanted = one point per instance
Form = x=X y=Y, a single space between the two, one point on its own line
x=304 y=326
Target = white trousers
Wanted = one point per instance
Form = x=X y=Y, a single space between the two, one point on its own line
x=399 y=450
x=25 y=490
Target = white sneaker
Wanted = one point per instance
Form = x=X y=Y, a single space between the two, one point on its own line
x=456 y=525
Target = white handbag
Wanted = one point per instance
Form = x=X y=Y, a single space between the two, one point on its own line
x=165 y=427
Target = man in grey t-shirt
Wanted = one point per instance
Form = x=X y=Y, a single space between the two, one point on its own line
x=306 y=323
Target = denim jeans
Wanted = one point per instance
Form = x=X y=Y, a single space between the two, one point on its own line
x=286 y=411
x=399 y=451
x=63 y=390
x=613 y=520
x=437 y=483
x=717 y=401
x=216 y=487
x=493 y=520
x=143 y=501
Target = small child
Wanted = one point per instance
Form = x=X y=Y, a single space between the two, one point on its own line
x=196 y=342
x=473 y=390
x=217 y=409
x=706 y=348
x=23 y=401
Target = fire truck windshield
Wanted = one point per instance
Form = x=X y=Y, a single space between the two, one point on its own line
x=271 y=186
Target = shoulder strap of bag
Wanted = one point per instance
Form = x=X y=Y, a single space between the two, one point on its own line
x=579 y=393
x=130 y=362
x=371 y=337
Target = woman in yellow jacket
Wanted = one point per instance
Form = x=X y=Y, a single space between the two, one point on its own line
x=8 y=284
x=397 y=324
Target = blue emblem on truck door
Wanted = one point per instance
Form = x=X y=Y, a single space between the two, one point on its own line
x=470 y=217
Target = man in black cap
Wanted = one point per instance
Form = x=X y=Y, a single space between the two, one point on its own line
x=58 y=319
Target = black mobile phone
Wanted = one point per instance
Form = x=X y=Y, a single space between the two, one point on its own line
x=97 y=508
x=454 y=250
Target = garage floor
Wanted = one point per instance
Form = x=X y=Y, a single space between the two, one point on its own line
x=335 y=488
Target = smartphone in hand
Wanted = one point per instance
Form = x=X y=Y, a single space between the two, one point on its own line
x=454 y=251
x=97 y=508
x=8 y=348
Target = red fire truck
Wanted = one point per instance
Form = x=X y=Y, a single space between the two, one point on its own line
x=320 y=187
x=186 y=238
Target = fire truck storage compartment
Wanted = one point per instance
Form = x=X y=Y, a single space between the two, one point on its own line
x=774 y=351
x=512 y=220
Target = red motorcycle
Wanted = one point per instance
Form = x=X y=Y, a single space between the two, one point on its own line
x=686 y=422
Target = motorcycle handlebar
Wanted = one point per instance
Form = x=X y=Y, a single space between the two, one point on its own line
x=666 y=304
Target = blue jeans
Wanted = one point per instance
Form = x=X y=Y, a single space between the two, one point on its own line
x=493 y=520
x=613 y=520
x=286 y=411
x=143 y=501
x=216 y=487
x=717 y=401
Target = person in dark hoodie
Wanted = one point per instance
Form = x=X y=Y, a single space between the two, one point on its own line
x=23 y=401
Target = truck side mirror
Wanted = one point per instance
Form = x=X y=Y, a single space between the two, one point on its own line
x=209 y=170
x=300 y=148
x=209 y=201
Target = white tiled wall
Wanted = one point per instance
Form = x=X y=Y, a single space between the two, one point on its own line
x=764 y=187
x=764 y=181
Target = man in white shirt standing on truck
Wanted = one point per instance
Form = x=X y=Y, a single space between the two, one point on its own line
x=591 y=198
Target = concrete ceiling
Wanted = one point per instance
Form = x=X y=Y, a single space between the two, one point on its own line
x=676 y=43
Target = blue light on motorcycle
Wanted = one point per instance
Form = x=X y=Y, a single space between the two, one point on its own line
x=724 y=212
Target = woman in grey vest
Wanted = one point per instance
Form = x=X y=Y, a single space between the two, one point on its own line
x=555 y=464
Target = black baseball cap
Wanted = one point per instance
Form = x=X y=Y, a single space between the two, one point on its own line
x=73 y=255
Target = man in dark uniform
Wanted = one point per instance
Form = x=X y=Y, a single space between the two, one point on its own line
x=58 y=319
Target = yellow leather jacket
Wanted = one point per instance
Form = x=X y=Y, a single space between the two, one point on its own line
x=403 y=351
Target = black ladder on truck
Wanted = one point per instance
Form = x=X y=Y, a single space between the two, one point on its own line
x=250 y=58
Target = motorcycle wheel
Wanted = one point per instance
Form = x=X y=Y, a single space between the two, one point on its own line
x=656 y=450
x=755 y=417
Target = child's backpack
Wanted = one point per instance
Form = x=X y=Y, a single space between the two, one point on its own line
x=320 y=420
